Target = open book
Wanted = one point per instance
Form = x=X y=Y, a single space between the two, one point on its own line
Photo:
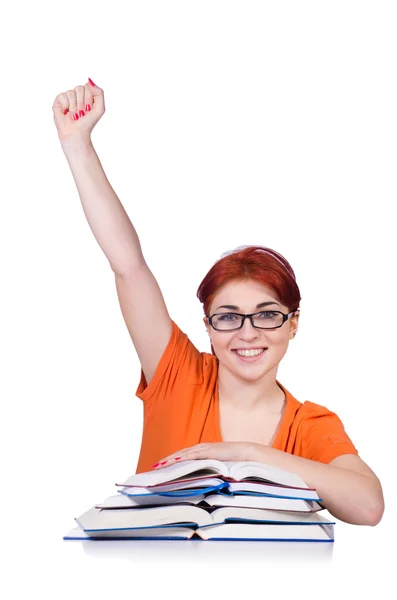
x=193 y=487
x=209 y=500
x=184 y=521
x=228 y=531
x=231 y=471
x=123 y=500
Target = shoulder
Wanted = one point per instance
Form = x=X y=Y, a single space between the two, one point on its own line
x=304 y=410
x=195 y=362
x=312 y=416
x=314 y=431
x=306 y=415
x=311 y=410
x=181 y=364
x=323 y=434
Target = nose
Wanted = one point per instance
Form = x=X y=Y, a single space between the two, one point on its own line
x=248 y=331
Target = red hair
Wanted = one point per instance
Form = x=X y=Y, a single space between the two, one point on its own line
x=258 y=263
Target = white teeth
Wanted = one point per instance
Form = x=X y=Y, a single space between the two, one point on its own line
x=250 y=352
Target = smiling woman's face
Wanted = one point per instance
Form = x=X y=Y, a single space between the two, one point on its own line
x=249 y=296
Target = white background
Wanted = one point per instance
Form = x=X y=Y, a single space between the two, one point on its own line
x=226 y=123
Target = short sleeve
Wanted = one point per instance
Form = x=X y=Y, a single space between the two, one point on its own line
x=180 y=360
x=324 y=436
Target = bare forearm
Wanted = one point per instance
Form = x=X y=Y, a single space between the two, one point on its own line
x=347 y=495
x=105 y=214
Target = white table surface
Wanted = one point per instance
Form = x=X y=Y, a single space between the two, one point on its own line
x=360 y=563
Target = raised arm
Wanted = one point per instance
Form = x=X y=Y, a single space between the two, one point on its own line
x=141 y=301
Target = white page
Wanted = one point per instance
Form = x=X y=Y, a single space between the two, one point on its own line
x=261 y=514
x=175 y=471
x=273 y=474
x=96 y=519
x=123 y=501
x=262 y=502
x=277 y=490
x=159 y=532
x=268 y=531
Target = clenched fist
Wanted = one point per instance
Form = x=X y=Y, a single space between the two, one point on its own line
x=77 y=111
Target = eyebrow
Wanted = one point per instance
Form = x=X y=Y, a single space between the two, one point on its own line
x=261 y=305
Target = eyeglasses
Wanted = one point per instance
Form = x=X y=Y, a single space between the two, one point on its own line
x=268 y=319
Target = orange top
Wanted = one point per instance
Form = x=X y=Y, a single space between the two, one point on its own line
x=181 y=410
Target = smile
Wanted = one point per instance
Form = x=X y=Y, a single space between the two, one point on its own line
x=250 y=355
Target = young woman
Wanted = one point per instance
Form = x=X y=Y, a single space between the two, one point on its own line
x=227 y=405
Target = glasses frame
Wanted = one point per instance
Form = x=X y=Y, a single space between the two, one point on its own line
x=250 y=317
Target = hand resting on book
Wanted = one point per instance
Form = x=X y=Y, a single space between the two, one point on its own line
x=224 y=451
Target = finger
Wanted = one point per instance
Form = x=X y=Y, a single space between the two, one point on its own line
x=61 y=105
x=182 y=453
x=172 y=457
x=80 y=106
x=164 y=462
x=72 y=99
x=98 y=97
x=88 y=97
x=179 y=453
x=196 y=454
x=191 y=455
x=184 y=456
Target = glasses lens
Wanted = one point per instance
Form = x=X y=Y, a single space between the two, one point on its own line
x=268 y=319
x=226 y=321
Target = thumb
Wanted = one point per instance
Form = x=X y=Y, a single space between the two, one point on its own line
x=97 y=94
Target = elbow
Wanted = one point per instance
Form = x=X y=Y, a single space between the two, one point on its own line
x=366 y=509
x=375 y=514
x=372 y=514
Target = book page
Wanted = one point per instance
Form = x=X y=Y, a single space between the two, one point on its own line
x=131 y=518
x=202 y=468
x=281 y=491
x=267 y=531
x=121 y=500
x=261 y=471
x=224 y=514
x=183 y=533
x=263 y=501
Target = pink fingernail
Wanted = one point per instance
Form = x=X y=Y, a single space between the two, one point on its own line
x=88 y=107
x=163 y=463
x=156 y=465
x=178 y=457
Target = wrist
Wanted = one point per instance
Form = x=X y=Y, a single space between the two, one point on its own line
x=76 y=143
x=256 y=452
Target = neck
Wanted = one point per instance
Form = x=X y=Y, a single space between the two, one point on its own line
x=240 y=393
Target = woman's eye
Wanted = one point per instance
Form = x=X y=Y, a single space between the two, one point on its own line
x=268 y=315
x=227 y=317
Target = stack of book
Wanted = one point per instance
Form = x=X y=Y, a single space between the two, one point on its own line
x=208 y=500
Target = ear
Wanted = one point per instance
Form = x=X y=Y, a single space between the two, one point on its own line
x=294 y=325
x=207 y=325
x=208 y=328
